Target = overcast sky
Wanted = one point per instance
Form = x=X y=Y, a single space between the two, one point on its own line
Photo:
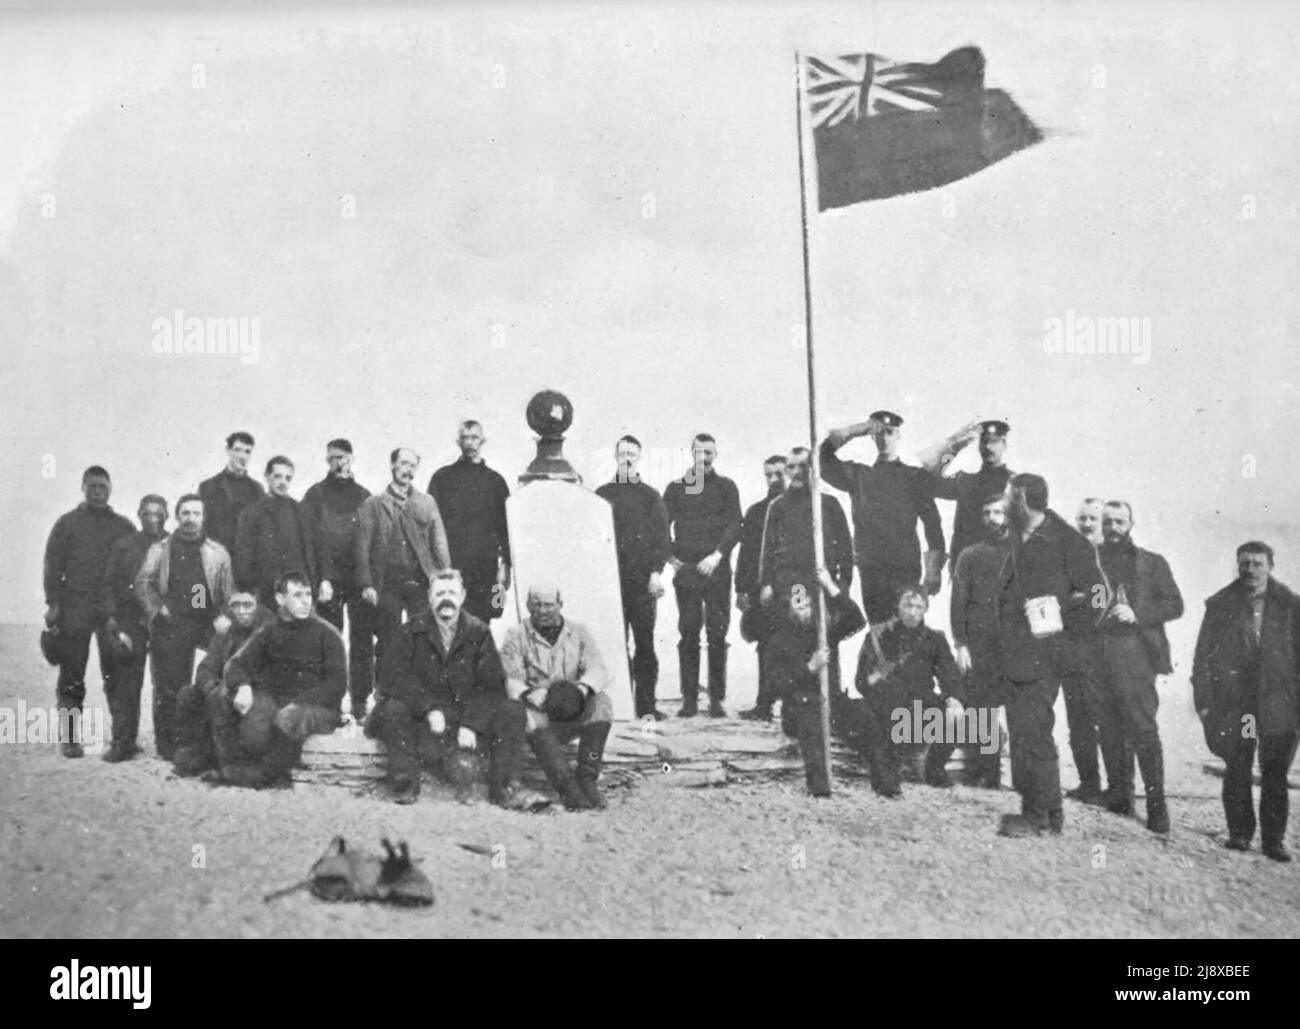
x=604 y=200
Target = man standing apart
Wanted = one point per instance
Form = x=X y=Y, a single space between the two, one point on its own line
x=471 y=498
x=704 y=516
x=273 y=536
x=641 y=539
x=76 y=563
x=332 y=511
x=888 y=498
x=747 y=590
x=124 y=618
x=232 y=489
x=1246 y=693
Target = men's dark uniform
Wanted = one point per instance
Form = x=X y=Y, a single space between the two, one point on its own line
x=331 y=509
x=1131 y=656
x=704 y=516
x=747 y=560
x=916 y=665
x=420 y=673
x=1244 y=672
x=274 y=537
x=790 y=646
x=888 y=499
x=124 y=612
x=970 y=490
x=195 y=747
x=1081 y=686
x=1054 y=561
x=976 y=584
x=472 y=498
x=76 y=563
x=641 y=538
x=225 y=496
x=299 y=674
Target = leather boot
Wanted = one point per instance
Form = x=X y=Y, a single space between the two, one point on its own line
x=688 y=662
x=717 y=679
x=1151 y=761
x=591 y=749
x=551 y=757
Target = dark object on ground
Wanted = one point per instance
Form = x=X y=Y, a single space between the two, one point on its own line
x=343 y=873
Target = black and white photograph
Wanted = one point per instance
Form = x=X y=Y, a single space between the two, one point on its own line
x=731 y=470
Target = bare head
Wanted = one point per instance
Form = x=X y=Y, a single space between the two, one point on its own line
x=545 y=605
x=470 y=439
x=1088 y=520
x=239 y=451
x=1116 y=521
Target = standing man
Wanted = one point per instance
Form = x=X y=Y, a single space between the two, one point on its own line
x=1246 y=693
x=1132 y=648
x=184 y=585
x=888 y=498
x=1080 y=683
x=974 y=619
x=332 y=511
x=124 y=618
x=471 y=498
x=274 y=536
x=752 y=622
x=76 y=563
x=704 y=516
x=227 y=493
x=1049 y=579
x=970 y=489
x=400 y=544
x=641 y=538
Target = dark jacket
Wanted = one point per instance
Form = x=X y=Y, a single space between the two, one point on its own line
x=297 y=661
x=1233 y=675
x=380 y=516
x=464 y=681
x=76 y=561
x=471 y=499
x=888 y=499
x=120 y=603
x=970 y=490
x=640 y=531
x=792 y=644
x=274 y=537
x=751 y=545
x=704 y=515
x=976 y=584
x=224 y=497
x=1054 y=561
x=1154 y=598
x=914 y=663
x=225 y=645
x=330 y=509
x=787 y=554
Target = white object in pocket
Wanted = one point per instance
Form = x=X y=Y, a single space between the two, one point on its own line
x=1044 y=614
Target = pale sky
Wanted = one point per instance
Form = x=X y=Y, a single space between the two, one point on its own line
x=605 y=200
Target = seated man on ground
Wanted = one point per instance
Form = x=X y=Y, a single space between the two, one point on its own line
x=442 y=694
x=553 y=666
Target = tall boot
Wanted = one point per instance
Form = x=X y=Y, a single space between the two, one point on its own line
x=717 y=679
x=69 y=731
x=551 y=757
x=1151 y=761
x=688 y=661
x=591 y=749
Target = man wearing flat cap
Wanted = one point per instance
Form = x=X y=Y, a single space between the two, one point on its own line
x=970 y=489
x=889 y=498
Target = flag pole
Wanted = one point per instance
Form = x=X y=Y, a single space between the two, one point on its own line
x=814 y=458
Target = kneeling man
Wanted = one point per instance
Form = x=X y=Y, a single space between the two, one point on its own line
x=553 y=666
x=440 y=688
x=285 y=684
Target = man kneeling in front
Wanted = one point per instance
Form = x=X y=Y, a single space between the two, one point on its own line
x=553 y=666
x=441 y=689
x=285 y=684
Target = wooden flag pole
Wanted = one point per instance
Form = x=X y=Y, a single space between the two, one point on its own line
x=814 y=457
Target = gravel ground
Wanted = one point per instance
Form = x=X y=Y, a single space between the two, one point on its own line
x=91 y=850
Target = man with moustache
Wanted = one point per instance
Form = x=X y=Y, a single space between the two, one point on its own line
x=76 y=563
x=1141 y=596
x=124 y=618
x=1049 y=576
x=1080 y=684
x=232 y=489
x=1245 y=689
x=704 y=517
x=974 y=620
x=400 y=544
x=641 y=539
x=441 y=681
x=274 y=536
x=331 y=509
x=747 y=590
x=889 y=498
x=969 y=489
x=471 y=498
x=184 y=584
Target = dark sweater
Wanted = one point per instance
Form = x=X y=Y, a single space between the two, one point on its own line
x=330 y=512
x=76 y=556
x=273 y=538
x=471 y=498
x=125 y=558
x=640 y=530
x=704 y=514
x=225 y=496
x=298 y=661
x=788 y=554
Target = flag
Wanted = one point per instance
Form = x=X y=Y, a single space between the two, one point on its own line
x=882 y=127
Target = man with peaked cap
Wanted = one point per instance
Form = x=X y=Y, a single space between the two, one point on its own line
x=889 y=498
x=970 y=489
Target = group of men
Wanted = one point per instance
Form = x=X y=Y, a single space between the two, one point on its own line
x=1037 y=605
